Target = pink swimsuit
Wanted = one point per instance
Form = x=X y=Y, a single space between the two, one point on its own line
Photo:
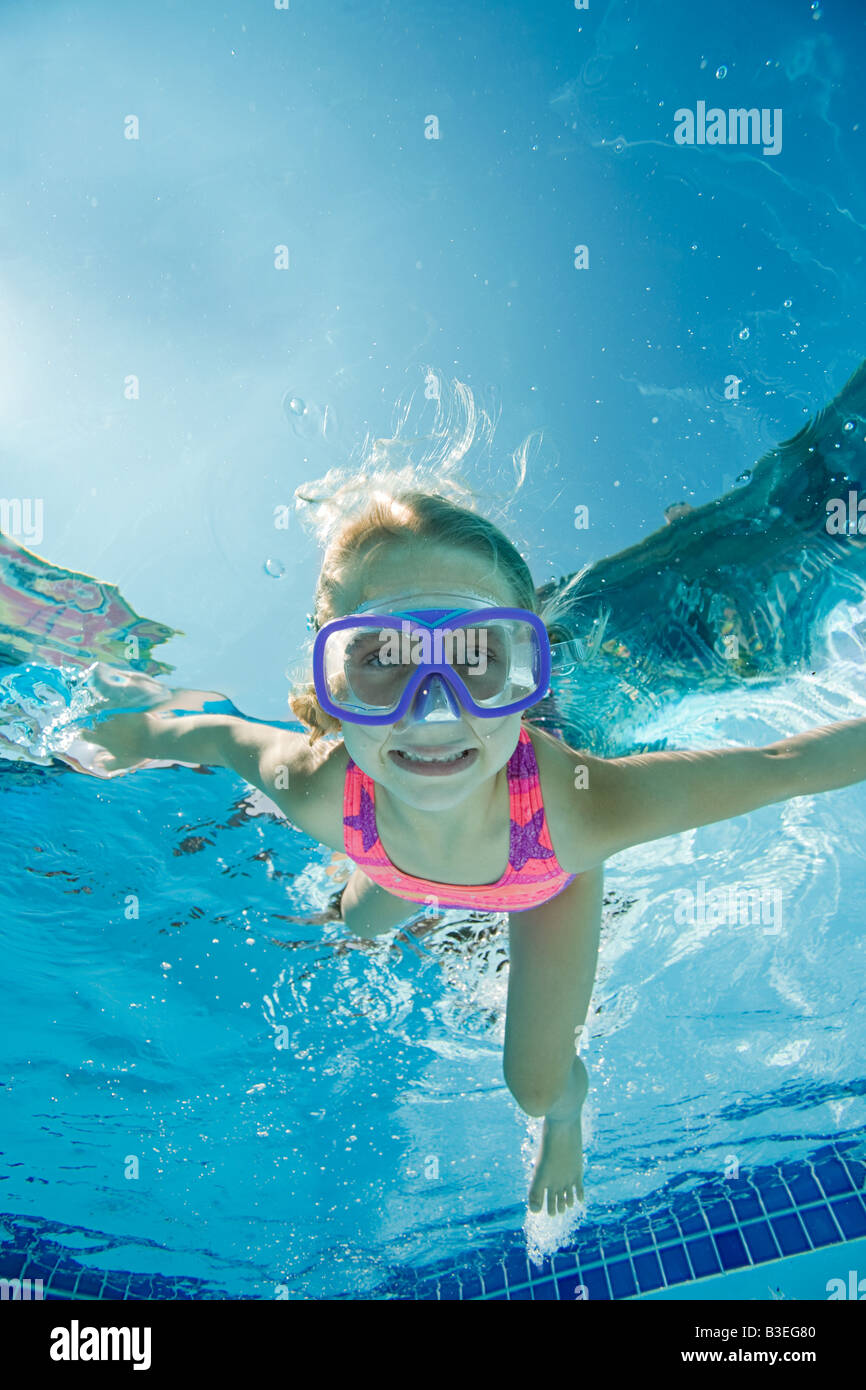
x=532 y=874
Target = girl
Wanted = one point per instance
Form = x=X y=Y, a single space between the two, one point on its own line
x=428 y=657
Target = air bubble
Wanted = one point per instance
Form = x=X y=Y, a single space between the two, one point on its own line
x=788 y=303
x=304 y=417
x=275 y=568
x=816 y=10
x=744 y=334
x=721 y=72
x=849 y=425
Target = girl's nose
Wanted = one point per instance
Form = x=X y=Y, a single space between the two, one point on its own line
x=434 y=703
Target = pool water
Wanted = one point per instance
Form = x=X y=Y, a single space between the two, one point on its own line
x=211 y=1091
x=198 y=1087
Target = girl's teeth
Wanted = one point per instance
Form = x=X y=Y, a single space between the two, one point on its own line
x=423 y=758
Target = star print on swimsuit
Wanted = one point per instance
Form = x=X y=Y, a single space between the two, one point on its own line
x=525 y=843
x=365 y=821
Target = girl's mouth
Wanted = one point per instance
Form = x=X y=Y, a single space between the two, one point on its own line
x=432 y=762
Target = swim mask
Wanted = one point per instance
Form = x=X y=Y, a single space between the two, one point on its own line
x=389 y=658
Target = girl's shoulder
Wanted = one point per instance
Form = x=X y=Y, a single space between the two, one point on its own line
x=325 y=780
x=566 y=777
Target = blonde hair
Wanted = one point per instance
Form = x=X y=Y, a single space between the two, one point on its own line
x=354 y=513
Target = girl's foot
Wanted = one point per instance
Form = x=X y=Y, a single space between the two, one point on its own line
x=559 y=1170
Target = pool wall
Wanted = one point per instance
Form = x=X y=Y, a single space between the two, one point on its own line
x=754 y=1237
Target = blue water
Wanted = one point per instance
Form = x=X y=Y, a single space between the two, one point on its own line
x=376 y=1129
x=310 y=1112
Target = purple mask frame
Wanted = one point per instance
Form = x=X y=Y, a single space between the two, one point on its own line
x=430 y=619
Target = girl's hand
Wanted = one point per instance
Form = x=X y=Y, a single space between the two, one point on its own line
x=124 y=737
x=121 y=689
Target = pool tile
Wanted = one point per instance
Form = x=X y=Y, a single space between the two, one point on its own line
x=622 y=1281
x=820 y=1225
x=648 y=1271
x=493 y=1277
x=851 y=1216
x=545 y=1291
x=758 y=1236
x=39 y=1269
x=566 y=1285
x=856 y=1172
x=804 y=1188
x=516 y=1268
x=746 y=1205
x=790 y=1234
x=640 y=1238
x=589 y=1250
x=116 y=1289
x=675 y=1264
x=775 y=1197
x=596 y=1283
x=11 y=1264
x=450 y=1288
x=732 y=1251
x=719 y=1214
x=665 y=1230
x=685 y=1204
x=832 y=1177
x=702 y=1257
x=89 y=1285
x=694 y=1225
x=780 y=1210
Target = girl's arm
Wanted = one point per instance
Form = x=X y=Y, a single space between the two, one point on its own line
x=651 y=795
x=276 y=760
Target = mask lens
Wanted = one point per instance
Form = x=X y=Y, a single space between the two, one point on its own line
x=367 y=667
x=502 y=661
x=363 y=668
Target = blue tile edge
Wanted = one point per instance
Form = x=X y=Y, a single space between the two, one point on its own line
x=672 y=1239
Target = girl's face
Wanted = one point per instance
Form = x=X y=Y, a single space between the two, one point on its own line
x=421 y=572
